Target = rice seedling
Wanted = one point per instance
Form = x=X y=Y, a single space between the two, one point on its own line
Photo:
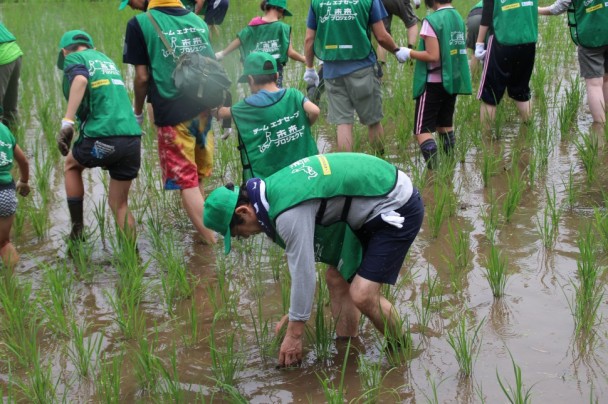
x=59 y=285
x=572 y=191
x=172 y=386
x=99 y=211
x=333 y=393
x=285 y=291
x=108 y=380
x=324 y=329
x=83 y=352
x=192 y=337
x=370 y=375
x=39 y=217
x=588 y=150
x=568 y=109
x=600 y=225
x=444 y=206
x=264 y=337
x=490 y=162
x=80 y=252
x=148 y=367
x=434 y=397
x=589 y=292
x=226 y=361
x=490 y=218
x=548 y=224
x=40 y=386
x=496 y=271
x=430 y=298
x=461 y=246
x=127 y=313
x=516 y=187
x=517 y=393
x=465 y=341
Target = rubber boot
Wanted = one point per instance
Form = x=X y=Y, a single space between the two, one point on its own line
x=448 y=140
x=429 y=152
x=75 y=206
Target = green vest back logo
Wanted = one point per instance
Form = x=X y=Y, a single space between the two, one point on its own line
x=186 y=45
x=338 y=14
x=283 y=136
x=103 y=67
x=457 y=38
x=300 y=166
x=273 y=47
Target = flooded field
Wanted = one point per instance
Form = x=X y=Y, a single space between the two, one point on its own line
x=503 y=290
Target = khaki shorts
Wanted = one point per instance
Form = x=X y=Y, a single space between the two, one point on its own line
x=593 y=61
x=359 y=91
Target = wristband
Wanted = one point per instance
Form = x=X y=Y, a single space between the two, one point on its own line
x=67 y=120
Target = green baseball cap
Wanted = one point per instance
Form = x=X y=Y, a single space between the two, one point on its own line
x=254 y=65
x=281 y=4
x=123 y=4
x=70 y=38
x=219 y=208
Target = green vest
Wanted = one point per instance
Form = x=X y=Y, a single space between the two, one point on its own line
x=5 y=34
x=477 y=5
x=272 y=137
x=271 y=38
x=7 y=145
x=106 y=108
x=326 y=176
x=515 y=21
x=588 y=22
x=343 y=31
x=455 y=74
x=187 y=33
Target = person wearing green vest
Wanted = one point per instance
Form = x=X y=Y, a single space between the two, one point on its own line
x=10 y=71
x=109 y=136
x=339 y=34
x=441 y=73
x=266 y=34
x=9 y=153
x=373 y=197
x=588 y=23
x=273 y=124
x=509 y=55
x=185 y=141
x=473 y=22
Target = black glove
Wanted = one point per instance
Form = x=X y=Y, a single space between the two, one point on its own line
x=64 y=139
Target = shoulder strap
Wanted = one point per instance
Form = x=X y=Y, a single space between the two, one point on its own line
x=160 y=34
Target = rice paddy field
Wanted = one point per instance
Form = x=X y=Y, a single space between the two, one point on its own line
x=502 y=294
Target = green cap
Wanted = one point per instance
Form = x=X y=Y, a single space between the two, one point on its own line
x=123 y=4
x=219 y=208
x=254 y=65
x=70 y=38
x=281 y=4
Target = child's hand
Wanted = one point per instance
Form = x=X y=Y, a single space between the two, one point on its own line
x=64 y=140
x=22 y=188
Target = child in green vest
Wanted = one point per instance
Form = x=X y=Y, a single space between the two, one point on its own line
x=10 y=152
x=109 y=135
x=441 y=73
x=266 y=34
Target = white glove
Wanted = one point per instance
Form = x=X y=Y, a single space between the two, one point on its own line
x=219 y=55
x=480 y=52
x=403 y=54
x=227 y=133
x=139 y=118
x=393 y=218
x=417 y=3
x=311 y=77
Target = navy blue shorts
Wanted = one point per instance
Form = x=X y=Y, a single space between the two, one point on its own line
x=385 y=246
x=434 y=108
x=216 y=11
x=120 y=155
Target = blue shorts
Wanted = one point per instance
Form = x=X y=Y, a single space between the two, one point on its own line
x=216 y=11
x=385 y=246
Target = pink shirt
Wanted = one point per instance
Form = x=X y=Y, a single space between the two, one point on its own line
x=434 y=76
x=257 y=21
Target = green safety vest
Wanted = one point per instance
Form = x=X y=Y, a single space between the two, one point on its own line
x=588 y=22
x=187 y=33
x=106 y=108
x=274 y=136
x=455 y=74
x=327 y=176
x=7 y=145
x=343 y=31
x=516 y=21
x=5 y=34
x=271 y=38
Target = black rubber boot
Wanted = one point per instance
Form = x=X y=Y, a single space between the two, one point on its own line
x=448 y=140
x=75 y=206
x=429 y=152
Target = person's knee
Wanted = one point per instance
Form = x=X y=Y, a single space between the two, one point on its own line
x=335 y=281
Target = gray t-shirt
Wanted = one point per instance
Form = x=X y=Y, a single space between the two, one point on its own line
x=296 y=227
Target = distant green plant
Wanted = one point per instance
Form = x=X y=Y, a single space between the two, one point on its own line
x=517 y=393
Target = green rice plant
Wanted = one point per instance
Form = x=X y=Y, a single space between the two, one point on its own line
x=465 y=341
x=226 y=361
x=148 y=367
x=600 y=225
x=588 y=150
x=516 y=187
x=444 y=206
x=222 y=299
x=569 y=105
x=434 y=397
x=398 y=344
x=83 y=352
x=572 y=191
x=589 y=292
x=40 y=387
x=430 y=299
x=370 y=375
x=490 y=218
x=490 y=162
x=80 y=252
x=461 y=246
x=264 y=336
x=99 y=211
x=517 y=393
x=108 y=380
x=38 y=214
x=127 y=312
x=20 y=323
x=496 y=271
x=171 y=384
x=59 y=285
x=192 y=337
x=324 y=329
x=285 y=291
x=548 y=224
x=333 y=393
x=20 y=215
